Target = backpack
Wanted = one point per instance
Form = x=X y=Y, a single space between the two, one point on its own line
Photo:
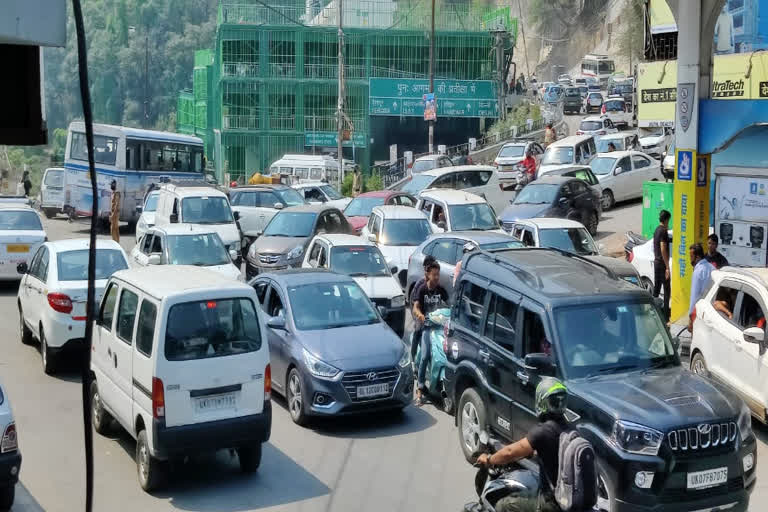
x=576 y=488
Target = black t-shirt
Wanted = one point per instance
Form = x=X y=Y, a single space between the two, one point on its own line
x=545 y=439
x=718 y=260
x=430 y=300
x=660 y=236
x=415 y=289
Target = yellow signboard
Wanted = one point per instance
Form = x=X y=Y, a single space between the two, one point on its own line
x=656 y=93
x=662 y=19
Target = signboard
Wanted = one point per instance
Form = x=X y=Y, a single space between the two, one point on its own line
x=742 y=198
x=454 y=98
x=330 y=139
x=662 y=19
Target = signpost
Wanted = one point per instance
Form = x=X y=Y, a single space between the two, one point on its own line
x=454 y=98
x=330 y=139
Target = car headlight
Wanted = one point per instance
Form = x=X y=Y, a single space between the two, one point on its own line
x=142 y=223
x=634 y=438
x=296 y=252
x=252 y=251
x=319 y=368
x=398 y=301
x=745 y=422
x=405 y=359
x=2 y=397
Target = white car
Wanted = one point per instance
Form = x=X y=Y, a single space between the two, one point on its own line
x=457 y=210
x=622 y=141
x=429 y=162
x=255 y=205
x=53 y=290
x=364 y=262
x=52 y=192
x=730 y=347
x=668 y=162
x=185 y=245
x=397 y=231
x=322 y=193
x=622 y=174
x=147 y=217
x=510 y=156
x=21 y=233
x=617 y=110
x=10 y=456
x=654 y=141
x=596 y=125
x=642 y=258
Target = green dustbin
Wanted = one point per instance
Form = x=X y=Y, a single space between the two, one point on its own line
x=657 y=196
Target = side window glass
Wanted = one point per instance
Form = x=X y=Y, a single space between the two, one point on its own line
x=145 y=332
x=640 y=162
x=446 y=181
x=334 y=223
x=146 y=243
x=261 y=291
x=267 y=200
x=406 y=201
x=43 y=266
x=624 y=165
x=517 y=232
x=483 y=177
x=445 y=251
x=534 y=336
x=528 y=239
x=592 y=146
x=751 y=313
x=376 y=224
x=275 y=306
x=426 y=207
x=469 y=312
x=566 y=191
x=126 y=315
x=157 y=246
x=500 y=324
x=314 y=254
x=323 y=258
x=438 y=215
x=108 y=307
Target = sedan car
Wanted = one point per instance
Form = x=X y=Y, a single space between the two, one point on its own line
x=53 y=289
x=359 y=210
x=21 y=233
x=654 y=141
x=331 y=353
x=255 y=205
x=596 y=125
x=622 y=174
x=10 y=455
x=322 y=193
x=585 y=174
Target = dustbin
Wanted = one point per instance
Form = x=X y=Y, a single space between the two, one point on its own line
x=657 y=196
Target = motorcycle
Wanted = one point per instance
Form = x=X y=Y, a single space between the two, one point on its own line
x=434 y=325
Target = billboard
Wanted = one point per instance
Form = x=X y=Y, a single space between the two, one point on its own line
x=453 y=98
x=662 y=19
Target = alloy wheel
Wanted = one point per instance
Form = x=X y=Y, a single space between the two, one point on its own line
x=470 y=426
x=294 y=395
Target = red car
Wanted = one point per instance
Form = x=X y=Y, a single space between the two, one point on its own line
x=358 y=211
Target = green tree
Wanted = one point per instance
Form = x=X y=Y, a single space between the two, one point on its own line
x=630 y=38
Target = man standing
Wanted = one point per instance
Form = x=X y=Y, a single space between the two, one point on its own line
x=661 y=260
x=713 y=255
x=702 y=269
x=549 y=135
x=114 y=213
x=357 y=183
x=428 y=299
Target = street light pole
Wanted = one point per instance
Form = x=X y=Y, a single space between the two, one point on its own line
x=146 y=80
x=432 y=75
x=340 y=103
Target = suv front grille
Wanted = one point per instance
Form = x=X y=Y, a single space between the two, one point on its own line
x=701 y=437
x=352 y=380
x=507 y=226
x=270 y=259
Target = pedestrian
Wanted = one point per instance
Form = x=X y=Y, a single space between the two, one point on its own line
x=467 y=158
x=702 y=270
x=25 y=185
x=549 y=135
x=357 y=183
x=714 y=256
x=114 y=213
x=661 y=273
x=431 y=296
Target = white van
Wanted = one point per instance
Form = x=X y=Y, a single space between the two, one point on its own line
x=201 y=206
x=573 y=150
x=52 y=191
x=181 y=361
x=307 y=168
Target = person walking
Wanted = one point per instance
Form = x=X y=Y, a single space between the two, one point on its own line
x=25 y=185
x=661 y=273
x=702 y=270
x=714 y=256
x=357 y=183
x=549 y=135
x=114 y=213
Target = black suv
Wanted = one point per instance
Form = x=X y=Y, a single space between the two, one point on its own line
x=666 y=439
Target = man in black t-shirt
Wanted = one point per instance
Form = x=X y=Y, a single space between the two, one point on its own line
x=661 y=271
x=428 y=298
x=416 y=339
x=714 y=256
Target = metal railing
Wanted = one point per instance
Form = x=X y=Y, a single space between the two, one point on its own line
x=240 y=122
x=241 y=69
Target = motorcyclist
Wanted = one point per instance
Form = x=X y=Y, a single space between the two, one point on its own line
x=429 y=297
x=542 y=440
x=529 y=165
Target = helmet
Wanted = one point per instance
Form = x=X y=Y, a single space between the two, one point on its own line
x=550 y=397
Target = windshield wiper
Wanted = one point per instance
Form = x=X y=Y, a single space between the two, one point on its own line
x=359 y=274
x=658 y=365
x=614 y=369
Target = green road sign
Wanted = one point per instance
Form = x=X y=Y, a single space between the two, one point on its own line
x=330 y=139
x=455 y=98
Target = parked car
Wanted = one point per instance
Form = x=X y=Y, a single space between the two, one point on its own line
x=322 y=193
x=180 y=361
x=573 y=102
x=330 y=353
x=363 y=261
x=52 y=192
x=668 y=162
x=448 y=249
x=555 y=196
x=10 y=455
x=654 y=141
x=641 y=257
x=454 y=210
x=586 y=175
x=256 y=205
x=567 y=152
x=662 y=435
x=594 y=101
x=596 y=125
x=429 y=162
x=53 y=290
x=21 y=233
x=508 y=161
x=618 y=111
x=181 y=245
x=147 y=217
x=622 y=174
x=359 y=209
x=397 y=231
x=622 y=141
x=285 y=238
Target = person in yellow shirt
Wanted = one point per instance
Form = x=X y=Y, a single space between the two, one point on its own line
x=114 y=213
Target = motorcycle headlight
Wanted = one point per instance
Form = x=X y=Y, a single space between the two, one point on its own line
x=296 y=252
x=634 y=438
x=398 y=302
x=745 y=422
x=319 y=368
x=405 y=359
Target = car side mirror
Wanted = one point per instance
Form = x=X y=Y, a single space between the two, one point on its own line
x=174 y=219
x=372 y=237
x=279 y=206
x=754 y=335
x=393 y=270
x=563 y=201
x=676 y=343
x=154 y=259
x=232 y=254
x=22 y=268
x=617 y=171
x=236 y=215
x=277 y=323
x=259 y=233
x=139 y=209
x=539 y=362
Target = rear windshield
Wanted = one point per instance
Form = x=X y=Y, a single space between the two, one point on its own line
x=23 y=221
x=572 y=92
x=614 y=106
x=423 y=165
x=211 y=328
x=591 y=126
x=54 y=178
x=73 y=265
x=602 y=145
x=512 y=151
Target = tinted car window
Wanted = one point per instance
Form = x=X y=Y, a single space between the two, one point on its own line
x=126 y=315
x=73 y=265
x=469 y=311
x=145 y=332
x=500 y=324
x=640 y=162
x=445 y=250
x=108 y=307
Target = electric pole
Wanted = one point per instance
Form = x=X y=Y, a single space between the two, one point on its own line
x=146 y=80
x=340 y=104
x=500 y=68
x=432 y=76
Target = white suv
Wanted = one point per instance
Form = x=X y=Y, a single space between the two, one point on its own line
x=457 y=210
x=728 y=341
x=10 y=457
x=596 y=125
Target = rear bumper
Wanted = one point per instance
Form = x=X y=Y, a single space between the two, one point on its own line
x=10 y=467
x=212 y=435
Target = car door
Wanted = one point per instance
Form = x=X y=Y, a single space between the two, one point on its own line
x=101 y=354
x=749 y=360
x=583 y=200
x=622 y=179
x=534 y=338
x=140 y=253
x=142 y=357
x=278 y=339
x=444 y=251
x=719 y=335
x=563 y=207
x=38 y=291
x=642 y=169
x=28 y=294
x=313 y=255
x=251 y=215
x=122 y=354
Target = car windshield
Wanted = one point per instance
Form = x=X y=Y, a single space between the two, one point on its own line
x=211 y=328
x=614 y=106
x=509 y=244
x=572 y=92
x=73 y=265
x=651 y=132
x=591 y=126
x=331 y=192
x=201 y=250
x=537 y=193
x=296 y=224
x=418 y=183
x=404 y=231
x=511 y=151
x=612 y=337
x=625 y=88
x=359 y=260
x=472 y=217
x=423 y=165
x=602 y=165
x=362 y=206
x=602 y=145
x=20 y=221
x=151 y=204
x=596 y=96
x=555 y=156
x=575 y=240
x=54 y=178
x=206 y=210
x=289 y=197
x=330 y=306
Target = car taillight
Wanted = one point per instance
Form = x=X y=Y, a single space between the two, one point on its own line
x=693 y=315
x=268 y=382
x=158 y=398
x=630 y=256
x=60 y=302
x=603 y=109
x=579 y=132
x=9 y=442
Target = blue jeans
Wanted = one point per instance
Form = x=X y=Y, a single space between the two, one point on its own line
x=426 y=356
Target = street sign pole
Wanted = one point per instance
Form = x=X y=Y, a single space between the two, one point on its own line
x=432 y=75
x=340 y=105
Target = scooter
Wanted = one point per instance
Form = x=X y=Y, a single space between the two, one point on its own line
x=435 y=378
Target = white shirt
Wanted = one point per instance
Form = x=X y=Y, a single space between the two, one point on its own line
x=701 y=273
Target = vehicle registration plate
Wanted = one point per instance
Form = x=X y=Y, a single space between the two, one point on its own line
x=17 y=248
x=215 y=403
x=709 y=478
x=372 y=390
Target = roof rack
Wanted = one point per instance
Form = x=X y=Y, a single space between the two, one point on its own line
x=504 y=261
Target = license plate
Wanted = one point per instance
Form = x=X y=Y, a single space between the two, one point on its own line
x=215 y=403
x=372 y=390
x=17 y=248
x=709 y=478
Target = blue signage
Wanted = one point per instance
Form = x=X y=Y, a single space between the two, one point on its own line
x=684 y=165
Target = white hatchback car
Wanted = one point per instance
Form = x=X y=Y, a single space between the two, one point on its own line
x=185 y=245
x=622 y=174
x=596 y=125
x=10 y=456
x=147 y=217
x=455 y=210
x=21 y=233
x=52 y=293
x=322 y=193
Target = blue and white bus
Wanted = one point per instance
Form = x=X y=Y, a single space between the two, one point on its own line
x=134 y=158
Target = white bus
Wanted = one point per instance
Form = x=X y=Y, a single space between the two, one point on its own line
x=133 y=158
x=598 y=66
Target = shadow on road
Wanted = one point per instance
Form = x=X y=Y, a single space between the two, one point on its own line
x=9 y=289
x=377 y=425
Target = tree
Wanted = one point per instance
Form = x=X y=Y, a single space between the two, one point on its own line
x=630 y=38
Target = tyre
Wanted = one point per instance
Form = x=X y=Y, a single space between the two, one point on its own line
x=49 y=212
x=591 y=223
x=646 y=284
x=150 y=471
x=100 y=418
x=471 y=421
x=606 y=490
x=7 y=495
x=250 y=458
x=24 y=331
x=295 y=397
x=699 y=365
x=606 y=200
x=48 y=358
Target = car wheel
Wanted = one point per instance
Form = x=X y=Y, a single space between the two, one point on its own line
x=24 y=331
x=606 y=491
x=606 y=200
x=646 y=284
x=250 y=458
x=7 y=495
x=149 y=469
x=48 y=358
x=100 y=418
x=592 y=223
x=49 y=213
x=295 y=398
x=699 y=365
x=471 y=422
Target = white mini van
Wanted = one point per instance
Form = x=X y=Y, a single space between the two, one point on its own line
x=181 y=361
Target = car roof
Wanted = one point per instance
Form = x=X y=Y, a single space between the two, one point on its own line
x=560 y=171
x=618 y=154
x=551 y=223
x=308 y=208
x=480 y=237
x=337 y=239
x=78 y=244
x=758 y=273
x=517 y=143
x=450 y=197
x=161 y=281
x=380 y=193
x=193 y=190
x=399 y=212
x=300 y=276
x=16 y=206
x=594 y=118
x=305 y=184
x=570 y=140
x=182 y=229
x=262 y=186
x=617 y=135
x=428 y=157
x=457 y=168
x=548 y=179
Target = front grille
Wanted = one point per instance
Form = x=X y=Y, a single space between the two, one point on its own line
x=702 y=436
x=269 y=259
x=507 y=226
x=352 y=380
x=676 y=495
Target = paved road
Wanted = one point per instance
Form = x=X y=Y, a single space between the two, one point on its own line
x=374 y=464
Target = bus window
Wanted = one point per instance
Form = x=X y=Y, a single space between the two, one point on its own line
x=164 y=156
x=274 y=170
x=302 y=173
x=316 y=173
x=286 y=170
x=105 y=148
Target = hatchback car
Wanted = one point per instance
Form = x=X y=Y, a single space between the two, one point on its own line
x=573 y=102
x=10 y=455
x=622 y=174
x=359 y=209
x=454 y=210
x=618 y=111
x=330 y=354
x=596 y=125
x=654 y=141
x=21 y=233
x=594 y=101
